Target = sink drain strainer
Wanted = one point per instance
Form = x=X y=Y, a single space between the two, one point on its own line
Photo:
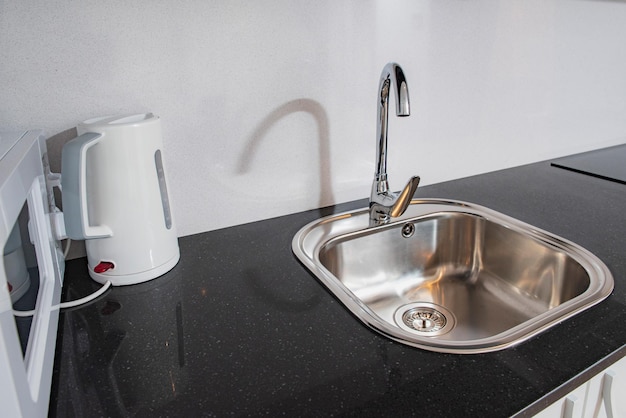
x=424 y=318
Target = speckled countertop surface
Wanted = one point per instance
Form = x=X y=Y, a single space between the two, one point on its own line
x=240 y=328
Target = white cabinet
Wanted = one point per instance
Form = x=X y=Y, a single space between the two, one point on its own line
x=571 y=405
x=603 y=396
x=609 y=388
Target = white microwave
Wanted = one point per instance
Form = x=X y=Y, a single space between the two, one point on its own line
x=31 y=272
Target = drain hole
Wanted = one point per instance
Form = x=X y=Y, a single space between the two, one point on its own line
x=425 y=318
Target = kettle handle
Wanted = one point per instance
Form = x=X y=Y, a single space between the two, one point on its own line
x=74 y=189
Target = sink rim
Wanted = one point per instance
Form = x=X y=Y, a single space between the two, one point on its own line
x=314 y=236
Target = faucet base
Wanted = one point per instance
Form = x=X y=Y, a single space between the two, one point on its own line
x=385 y=205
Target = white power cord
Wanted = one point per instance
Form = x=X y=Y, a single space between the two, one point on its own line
x=67 y=248
x=72 y=303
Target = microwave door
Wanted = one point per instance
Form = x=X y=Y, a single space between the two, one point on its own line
x=31 y=274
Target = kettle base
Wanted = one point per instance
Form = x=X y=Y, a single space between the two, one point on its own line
x=134 y=278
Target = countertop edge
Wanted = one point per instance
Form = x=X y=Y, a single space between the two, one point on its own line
x=576 y=381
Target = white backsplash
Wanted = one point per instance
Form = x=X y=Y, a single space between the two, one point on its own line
x=269 y=107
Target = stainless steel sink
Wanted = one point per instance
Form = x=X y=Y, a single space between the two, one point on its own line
x=451 y=276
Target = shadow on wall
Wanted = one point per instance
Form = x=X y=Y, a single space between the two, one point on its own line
x=55 y=147
x=319 y=114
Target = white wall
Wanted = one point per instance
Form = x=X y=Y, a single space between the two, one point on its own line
x=269 y=107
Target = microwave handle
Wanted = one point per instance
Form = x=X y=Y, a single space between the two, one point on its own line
x=74 y=189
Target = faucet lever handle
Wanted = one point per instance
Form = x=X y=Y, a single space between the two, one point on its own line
x=403 y=200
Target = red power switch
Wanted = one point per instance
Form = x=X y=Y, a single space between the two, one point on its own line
x=103 y=266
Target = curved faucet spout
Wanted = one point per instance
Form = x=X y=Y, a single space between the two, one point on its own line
x=392 y=77
x=384 y=204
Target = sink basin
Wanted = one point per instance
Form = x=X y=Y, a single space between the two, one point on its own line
x=452 y=276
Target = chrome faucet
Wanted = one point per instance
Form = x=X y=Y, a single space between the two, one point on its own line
x=385 y=204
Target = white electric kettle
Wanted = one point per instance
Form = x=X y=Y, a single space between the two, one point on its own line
x=115 y=198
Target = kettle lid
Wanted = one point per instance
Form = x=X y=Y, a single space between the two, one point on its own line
x=119 y=120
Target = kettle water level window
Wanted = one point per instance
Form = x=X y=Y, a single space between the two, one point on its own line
x=158 y=161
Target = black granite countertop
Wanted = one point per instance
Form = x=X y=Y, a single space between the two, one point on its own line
x=240 y=328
